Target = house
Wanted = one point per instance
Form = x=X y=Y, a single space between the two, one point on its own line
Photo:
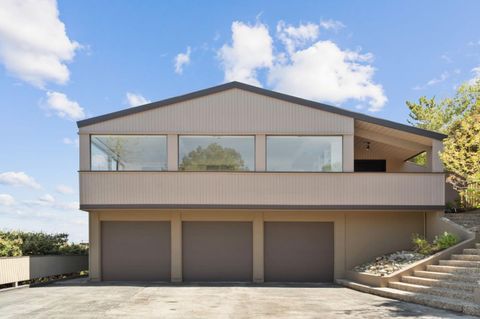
x=238 y=183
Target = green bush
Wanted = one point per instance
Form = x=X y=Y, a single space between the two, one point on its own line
x=421 y=245
x=10 y=247
x=445 y=241
x=39 y=243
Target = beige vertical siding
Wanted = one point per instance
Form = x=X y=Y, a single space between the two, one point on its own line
x=260 y=152
x=370 y=234
x=172 y=152
x=240 y=188
x=84 y=144
x=15 y=269
x=358 y=236
x=234 y=112
x=348 y=153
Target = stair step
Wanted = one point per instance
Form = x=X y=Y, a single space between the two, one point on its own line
x=453 y=269
x=468 y=308
x=477 y=246
x=460 y=263
x=466 y=286
x=442 y=292
x=446 y=276
x=466 y=257
x=471 y=251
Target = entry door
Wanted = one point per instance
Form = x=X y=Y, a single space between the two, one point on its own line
x=217 y=251
x=298 y=251
x=134 y=250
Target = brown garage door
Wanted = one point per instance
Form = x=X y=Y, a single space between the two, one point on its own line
x=136 y=250
x=298 y=251
x=217 y=251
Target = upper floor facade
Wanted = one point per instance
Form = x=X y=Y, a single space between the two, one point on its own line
x=238 y=146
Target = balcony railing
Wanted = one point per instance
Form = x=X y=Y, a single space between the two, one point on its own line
x=262 y=189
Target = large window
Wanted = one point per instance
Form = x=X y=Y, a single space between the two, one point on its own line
x=128 y=152
x=304 y=153
x=216 y=153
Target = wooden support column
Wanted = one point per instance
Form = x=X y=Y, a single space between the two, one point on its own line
x=94 y=254
x=176 y=242
x=258 y=267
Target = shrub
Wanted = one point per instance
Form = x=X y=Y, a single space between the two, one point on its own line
x=445 y=241
x=421 y=245
x=10 y=247
x=39 y=243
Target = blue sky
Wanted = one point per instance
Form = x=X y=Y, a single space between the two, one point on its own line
x=61 y=62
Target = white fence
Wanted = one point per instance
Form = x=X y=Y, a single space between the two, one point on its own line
x=15 y=269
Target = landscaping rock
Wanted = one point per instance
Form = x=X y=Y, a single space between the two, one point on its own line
x=387 y=264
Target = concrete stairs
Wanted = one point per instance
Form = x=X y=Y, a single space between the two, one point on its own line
x=448 y=285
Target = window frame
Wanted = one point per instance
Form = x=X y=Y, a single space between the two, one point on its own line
x=220 y=135
x=303 y=135
x=127 y=134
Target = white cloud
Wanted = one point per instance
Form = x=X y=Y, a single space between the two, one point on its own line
x=47 y=198
x=331 y=25
x=69 y=141
x=64 y=189
x=7 y=200
x=293 y=37
x=327 y=73
x=476 y=75
x=181 y=60
x=251 y=49
x=34 y=45
x=307 y=67
x=136 y=99
x=63 y=107
x=18 y=179
x=441 y=78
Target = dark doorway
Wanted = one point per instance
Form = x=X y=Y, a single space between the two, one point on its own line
x=370 y=165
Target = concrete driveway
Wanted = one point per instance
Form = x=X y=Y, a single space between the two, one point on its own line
x=78 y=299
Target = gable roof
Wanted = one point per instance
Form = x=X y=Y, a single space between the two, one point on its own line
x=264 y=92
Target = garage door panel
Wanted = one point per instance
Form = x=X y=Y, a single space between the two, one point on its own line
x=298 y=251
x=134 y=250
x=217 y=251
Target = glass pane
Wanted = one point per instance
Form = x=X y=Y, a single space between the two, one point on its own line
x=128 y=153
x=216 y=153
x=304 y=153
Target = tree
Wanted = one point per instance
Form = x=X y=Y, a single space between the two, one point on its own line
x=214 y=157
x=461 y=154
x=438 y=116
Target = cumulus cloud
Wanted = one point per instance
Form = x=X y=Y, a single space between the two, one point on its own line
x=69 y=141
x=181 y=60
x=34 y=45
x=136 y=99
x=18 y=179
x=47 y=198
x=476 y=75
x=64 y=189
x=251 y=49
x=63 y=107
x=7 y=200
x=306 y=67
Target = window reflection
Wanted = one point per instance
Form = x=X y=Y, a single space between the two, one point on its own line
x=216 y=153
x=128 y=152
x=304 y=153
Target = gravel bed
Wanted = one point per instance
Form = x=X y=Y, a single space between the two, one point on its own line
x=389 y=263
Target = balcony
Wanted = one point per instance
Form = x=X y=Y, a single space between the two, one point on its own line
x=121 y=189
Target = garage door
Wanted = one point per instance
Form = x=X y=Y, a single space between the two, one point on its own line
x=298 y=251
x=135 y=250
x=217 y=251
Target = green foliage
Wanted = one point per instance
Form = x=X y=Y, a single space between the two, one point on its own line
x=10 y=247
x=38 y=243
x=214 y=157
x=445 y=241
x=461 y=155
x=421 y=245
x=420 y=159
x=438 y=116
